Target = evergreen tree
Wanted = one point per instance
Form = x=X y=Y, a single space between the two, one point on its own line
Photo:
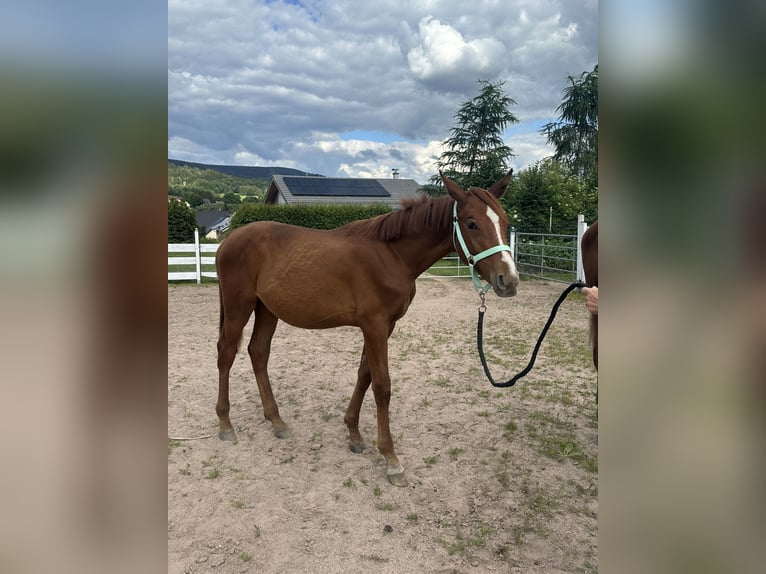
x=475 y=153
x=181 y=222
x=575 y=134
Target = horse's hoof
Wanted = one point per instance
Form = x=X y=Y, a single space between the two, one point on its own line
x=357 y=447
x=283 y=433
x=227 y=435
x=396 y=476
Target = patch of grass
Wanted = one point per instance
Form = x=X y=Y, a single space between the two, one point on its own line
x=171 y=445
x=519 y=533
x=556 y=439
x=465 y=544
x=349 y=483
x=431 y=460
x=186 y=471
x=412 y=518
x=538 y=505
x=443 y=382
x=504 y=552
x=455 y=452
x=245 y=557
x=213 y=473
x=387 y=506
x=510 y=429
x=238 y=504
x=501 y=474
x=288 y=460
x=377 y=491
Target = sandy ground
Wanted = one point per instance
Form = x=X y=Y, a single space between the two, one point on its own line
x=500 y=480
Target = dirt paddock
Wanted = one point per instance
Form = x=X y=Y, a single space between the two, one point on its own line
x=500 y=480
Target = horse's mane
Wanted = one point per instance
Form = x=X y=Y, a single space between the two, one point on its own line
x=415 y=215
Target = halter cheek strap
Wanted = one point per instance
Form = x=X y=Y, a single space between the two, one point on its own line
x=474 y=259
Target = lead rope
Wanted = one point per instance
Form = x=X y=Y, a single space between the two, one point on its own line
x=480 y=335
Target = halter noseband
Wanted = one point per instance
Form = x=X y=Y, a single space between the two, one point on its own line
x=474 y=259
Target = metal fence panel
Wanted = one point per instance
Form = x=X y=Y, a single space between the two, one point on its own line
x=551 y=256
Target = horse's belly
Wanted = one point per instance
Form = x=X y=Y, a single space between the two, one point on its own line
x=316 y=319
x=310 y=311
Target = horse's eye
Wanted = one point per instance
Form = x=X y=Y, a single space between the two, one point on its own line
x=472 y=225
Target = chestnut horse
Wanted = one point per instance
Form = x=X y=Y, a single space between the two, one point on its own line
x=590 y=267
x=362 y=274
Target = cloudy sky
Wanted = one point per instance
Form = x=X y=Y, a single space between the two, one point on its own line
x=356 y=88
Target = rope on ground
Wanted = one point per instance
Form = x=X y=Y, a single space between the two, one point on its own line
x=189 y=437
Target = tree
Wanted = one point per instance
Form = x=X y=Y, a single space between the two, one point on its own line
x=547 y=197
x=192 y=198
x=181 y=222
x=529 y=199
x=575 y=135
x=230 y=198
x=476 y=154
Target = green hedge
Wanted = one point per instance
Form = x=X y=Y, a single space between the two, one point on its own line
x=315 y=216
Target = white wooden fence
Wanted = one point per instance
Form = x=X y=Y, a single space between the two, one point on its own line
x=451 y=266
x=197 y=259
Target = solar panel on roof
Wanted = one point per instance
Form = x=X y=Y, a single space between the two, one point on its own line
x=335 y=187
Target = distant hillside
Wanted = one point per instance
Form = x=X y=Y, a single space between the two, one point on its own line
x=242 y=171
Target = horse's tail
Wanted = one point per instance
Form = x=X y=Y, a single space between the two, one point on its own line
x=222 y=318
x=220 y=271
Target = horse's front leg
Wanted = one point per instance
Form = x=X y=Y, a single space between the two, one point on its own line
x=376 y=350
x=356 y=444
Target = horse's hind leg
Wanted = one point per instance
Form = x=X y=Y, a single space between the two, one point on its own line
x=232 y=322
x=356 y=444
x=259 y=350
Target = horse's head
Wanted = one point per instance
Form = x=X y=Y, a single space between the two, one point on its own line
x=481 y=230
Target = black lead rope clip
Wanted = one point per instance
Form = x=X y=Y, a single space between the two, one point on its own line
x=480 y=336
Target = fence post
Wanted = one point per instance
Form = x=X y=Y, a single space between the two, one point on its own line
x=582 y=227
x=197 y=256
x=512 y=242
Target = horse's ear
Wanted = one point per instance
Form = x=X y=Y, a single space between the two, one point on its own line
x=498 y=188
x=455 y=191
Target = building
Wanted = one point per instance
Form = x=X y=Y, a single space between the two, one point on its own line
x=298 y=190
x=213 y=222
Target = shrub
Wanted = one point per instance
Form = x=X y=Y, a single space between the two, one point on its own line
x=181 y=222
x=317 y=216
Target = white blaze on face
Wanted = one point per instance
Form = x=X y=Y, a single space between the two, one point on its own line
x=506 y=255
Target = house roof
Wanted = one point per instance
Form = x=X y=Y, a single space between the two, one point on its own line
x=211 y=218
x=296 y=190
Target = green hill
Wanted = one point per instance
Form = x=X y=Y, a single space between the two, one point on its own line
x=240 y=171
x=221 y=186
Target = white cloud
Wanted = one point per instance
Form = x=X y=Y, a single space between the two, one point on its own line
x=443 y=54
x=277 y=83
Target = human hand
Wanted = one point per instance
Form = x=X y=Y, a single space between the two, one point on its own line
x=591 y=299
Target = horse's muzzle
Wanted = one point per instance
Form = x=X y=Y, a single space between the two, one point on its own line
x=505 y=285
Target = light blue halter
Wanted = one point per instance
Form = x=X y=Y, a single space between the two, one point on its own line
x=474 y=259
